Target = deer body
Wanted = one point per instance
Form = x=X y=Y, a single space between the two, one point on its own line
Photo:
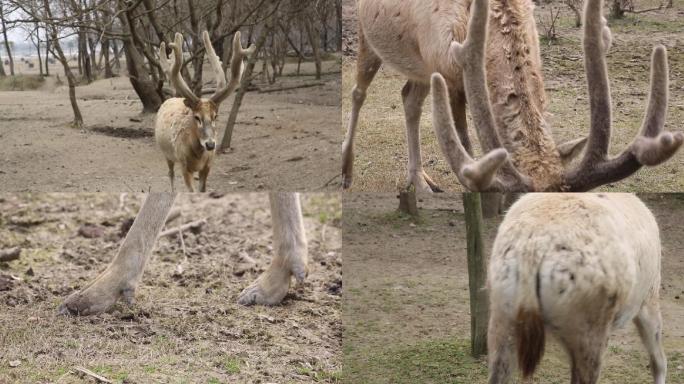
x=487 y=52
x=182 y=139
x=185 y=127
x=578 y=266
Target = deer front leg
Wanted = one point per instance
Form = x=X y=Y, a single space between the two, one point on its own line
x=458 y=110
x=122 y=276
x=172 y=175
x=367 y=65
x=203 y=174
x=413 y=95
x=291 y=253
x=187 y=176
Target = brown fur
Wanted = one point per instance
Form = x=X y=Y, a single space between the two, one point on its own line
x=530 y=339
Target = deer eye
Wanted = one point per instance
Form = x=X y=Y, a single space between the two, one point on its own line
x=198 y=119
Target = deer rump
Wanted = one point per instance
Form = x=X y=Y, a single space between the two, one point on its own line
x=574 y=265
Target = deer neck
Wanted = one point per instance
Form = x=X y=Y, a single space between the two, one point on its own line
x=516 y=88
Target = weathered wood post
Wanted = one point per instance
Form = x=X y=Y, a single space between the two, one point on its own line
x=479 y=306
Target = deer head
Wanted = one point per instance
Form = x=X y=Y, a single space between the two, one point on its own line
x=205 y=111
x=495 y=171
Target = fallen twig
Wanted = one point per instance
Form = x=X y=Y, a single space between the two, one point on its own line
x=10 y=254
x=194 y=225
x=100 y=379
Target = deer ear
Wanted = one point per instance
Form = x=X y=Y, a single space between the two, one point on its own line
x=571 y=149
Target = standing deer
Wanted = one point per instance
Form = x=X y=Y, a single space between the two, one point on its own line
x=121 y=278
x=496 y=67
x=578 y=266
x=185 y=128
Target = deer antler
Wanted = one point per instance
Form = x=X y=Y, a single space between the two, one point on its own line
x=476 y=175
x=236 y=67
x=173 y=73
x=165 y=61
x=652 y=145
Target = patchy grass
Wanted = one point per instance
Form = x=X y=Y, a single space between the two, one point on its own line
x=21 y=82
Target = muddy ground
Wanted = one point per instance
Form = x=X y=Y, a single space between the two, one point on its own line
x=381 y=152
x=286 y=140
x=184 y=328
x=406 y=309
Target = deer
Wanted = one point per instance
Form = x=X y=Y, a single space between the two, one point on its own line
x=185 y=126
x=492 y=62
x=576 y=266
x=120 y=279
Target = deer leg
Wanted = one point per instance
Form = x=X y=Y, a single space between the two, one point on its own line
x=171 y=165
x=500 y=347
x=291 y=254
x=413 y=95
x=586 y=352
x=649 y=323
x=203 y=173
x=367 y=65
x=187 y=176
x=458 y=111
x=122 y=276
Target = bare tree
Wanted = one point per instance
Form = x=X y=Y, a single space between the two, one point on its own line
x=8 y=50
x=59 y=53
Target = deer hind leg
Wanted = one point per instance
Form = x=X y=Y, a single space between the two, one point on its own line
x=500 y=346
x=458 y=110
x=291 y=254
x=586 y=351
x=203 y=174
x=649 y=323
x=413 y=95
x=367 y=65
x=172 y=175
x=122 y=276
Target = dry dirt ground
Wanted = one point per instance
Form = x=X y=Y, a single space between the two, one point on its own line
x=406 y=313
x=381 y=152
x=184 y=328
x=287 y=140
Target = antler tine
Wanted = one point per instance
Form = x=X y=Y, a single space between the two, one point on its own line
x=165 y=61
x=475 y=175
x=177 y=80
x=651 y=146
x=236 y=69
x=216 y=63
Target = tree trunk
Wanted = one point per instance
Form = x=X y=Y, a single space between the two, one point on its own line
x=313 y=40
x=244 y=82
x=2 y=68
x=338 y=9
x=139 y=76
x=7 y=44
x=479 y=312
x=105 y=53
x=47 y=52
x=40 y=59
x=616 y=11
x=78 y=119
